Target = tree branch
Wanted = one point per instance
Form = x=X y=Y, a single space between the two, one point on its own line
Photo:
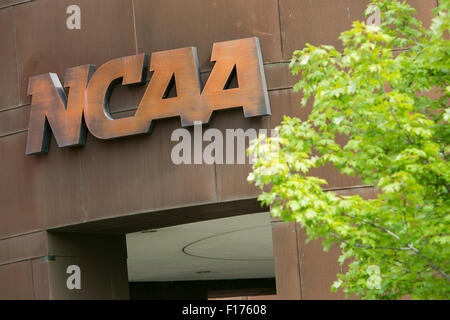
x=434 y=266
x=393 y=112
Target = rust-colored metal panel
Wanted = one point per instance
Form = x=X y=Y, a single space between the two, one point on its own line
x=23 y=247
x=7 y=3
x=316 y=21
x=36 y=192
x=303 y=271
x=279 y=76
x=102 y=263
x=286 y=102
x=16 y=281
x=9 y=89
x=424 y=10
x=286 y=260
x=43 y=275
x=321 y=21
x=137 y=174
x=17 y=213
x=232 y=177
x=41 y=283
x=318 y=269
x=169 y=24
x=14 y=120
x=45 y=44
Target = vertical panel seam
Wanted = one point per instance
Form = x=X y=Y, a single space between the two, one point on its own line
x=216 y=191
x=19 y=93
x=298 y=259
x=14 y=4
x=279 y=26
x=83 y=197
x=111 y=278
x=32 y=278
x=134 y=26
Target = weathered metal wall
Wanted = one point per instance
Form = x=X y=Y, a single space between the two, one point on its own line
x=106 y=179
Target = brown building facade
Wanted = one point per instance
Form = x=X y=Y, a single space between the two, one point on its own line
x=81 y=206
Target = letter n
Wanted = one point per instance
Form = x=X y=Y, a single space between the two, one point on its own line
x=52 y=111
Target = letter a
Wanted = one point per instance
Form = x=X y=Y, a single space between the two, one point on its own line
x=74 y=280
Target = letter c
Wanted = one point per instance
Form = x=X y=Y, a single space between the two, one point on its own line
x=132 y=69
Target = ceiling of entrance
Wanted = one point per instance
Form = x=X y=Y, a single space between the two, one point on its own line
x=230 y=248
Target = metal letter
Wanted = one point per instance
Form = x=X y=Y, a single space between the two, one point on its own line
x=51 y=110
x=132 y=69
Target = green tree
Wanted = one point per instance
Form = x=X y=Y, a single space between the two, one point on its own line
x=387 y=94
